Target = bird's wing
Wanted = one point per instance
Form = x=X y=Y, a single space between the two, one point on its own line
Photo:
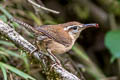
x=56 y=33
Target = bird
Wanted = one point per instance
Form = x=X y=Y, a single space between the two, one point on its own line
x=59 y=38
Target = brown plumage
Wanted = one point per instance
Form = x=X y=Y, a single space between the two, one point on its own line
x=56 y=33
x=59 y=41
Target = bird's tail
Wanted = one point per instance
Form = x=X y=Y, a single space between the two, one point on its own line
x=27 y=26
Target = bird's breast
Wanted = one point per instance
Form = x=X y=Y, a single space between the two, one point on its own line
x=58 y=48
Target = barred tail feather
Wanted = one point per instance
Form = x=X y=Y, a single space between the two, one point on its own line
x=27 y=26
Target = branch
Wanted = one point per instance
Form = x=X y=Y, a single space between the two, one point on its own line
x=42 y=7
x=57 y=71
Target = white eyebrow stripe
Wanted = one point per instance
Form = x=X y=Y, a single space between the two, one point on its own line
x=67 y=28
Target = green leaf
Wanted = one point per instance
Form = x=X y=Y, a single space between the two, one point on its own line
x=8 y=52
x=3 y=53
x=8 y=15
x=35 y=18
x=112 y=42
x=5 y=59
x=7 y=43
x=18 y=72
x=25 y=59
x=5 y=12
x=4 y=18
x=4 y=72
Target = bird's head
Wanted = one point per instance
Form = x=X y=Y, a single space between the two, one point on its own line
x=74 y=28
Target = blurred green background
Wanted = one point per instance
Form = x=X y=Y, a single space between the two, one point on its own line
x=96 y=53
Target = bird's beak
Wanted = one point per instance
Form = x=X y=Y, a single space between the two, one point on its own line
x=90 y=25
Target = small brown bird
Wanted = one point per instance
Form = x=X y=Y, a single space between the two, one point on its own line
x=60 y=38
x=57 y=38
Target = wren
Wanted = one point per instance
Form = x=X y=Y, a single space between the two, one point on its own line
x=57 y=38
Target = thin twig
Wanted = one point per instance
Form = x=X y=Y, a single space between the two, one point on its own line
x=44 y=8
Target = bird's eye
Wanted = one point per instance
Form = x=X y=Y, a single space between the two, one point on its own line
x=75 y=27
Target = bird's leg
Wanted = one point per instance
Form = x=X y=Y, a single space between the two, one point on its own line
x=53 y=57
x=49 y=53
x=44 y=38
